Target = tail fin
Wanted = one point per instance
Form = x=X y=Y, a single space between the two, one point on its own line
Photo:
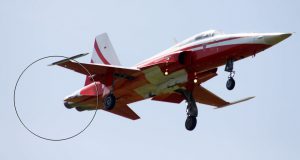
x=103 y=53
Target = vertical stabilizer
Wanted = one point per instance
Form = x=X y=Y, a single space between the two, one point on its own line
x=103 y=53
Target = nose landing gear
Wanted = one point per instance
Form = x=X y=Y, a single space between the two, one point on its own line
x=230 y=84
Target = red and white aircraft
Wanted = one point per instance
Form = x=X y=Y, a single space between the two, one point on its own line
x=173 y=75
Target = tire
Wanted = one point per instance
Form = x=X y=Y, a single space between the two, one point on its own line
x=190 y=123
x=109 y=102
x=230 y=83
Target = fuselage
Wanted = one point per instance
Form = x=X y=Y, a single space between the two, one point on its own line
x=195 y=58
x=211 y=48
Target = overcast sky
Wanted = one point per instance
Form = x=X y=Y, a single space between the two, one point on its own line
x=266 y=127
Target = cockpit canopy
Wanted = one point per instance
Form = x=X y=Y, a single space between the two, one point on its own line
x=200 y=36
x=206 y=34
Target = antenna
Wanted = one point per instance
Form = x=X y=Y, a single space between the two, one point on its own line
x=175 y=40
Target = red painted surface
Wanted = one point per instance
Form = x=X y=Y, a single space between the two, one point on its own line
x=91 y=90
x=103 y=59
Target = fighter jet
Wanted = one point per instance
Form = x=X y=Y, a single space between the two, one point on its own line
x=174 y=75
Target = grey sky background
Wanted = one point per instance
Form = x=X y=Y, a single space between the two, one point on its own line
x=266 y=127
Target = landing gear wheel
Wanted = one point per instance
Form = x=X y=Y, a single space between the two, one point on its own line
x=230 y=83
x=109 y=102
x=191 y=110
x=79 y=109
x=190 y=123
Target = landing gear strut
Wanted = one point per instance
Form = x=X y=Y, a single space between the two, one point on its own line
x=229 y=68
x=191 y=110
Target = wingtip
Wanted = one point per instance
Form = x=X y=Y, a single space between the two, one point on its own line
x=238 y=101
x=68 y=59
x=242 y=100
x=248 y=98
x=135 y=118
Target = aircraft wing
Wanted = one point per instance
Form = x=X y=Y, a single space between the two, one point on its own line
x=124 y=111
x=121 y=108
x=102 y=72
x=174 y=97
x=204 y=96
x=96 y=68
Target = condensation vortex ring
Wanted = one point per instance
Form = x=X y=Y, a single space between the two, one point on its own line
x=51 y=139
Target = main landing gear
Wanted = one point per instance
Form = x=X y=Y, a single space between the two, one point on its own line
x=109 y=102
x=229 y=68
x=191 y=111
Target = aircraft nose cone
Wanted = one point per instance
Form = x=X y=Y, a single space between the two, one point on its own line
x=273 y=39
